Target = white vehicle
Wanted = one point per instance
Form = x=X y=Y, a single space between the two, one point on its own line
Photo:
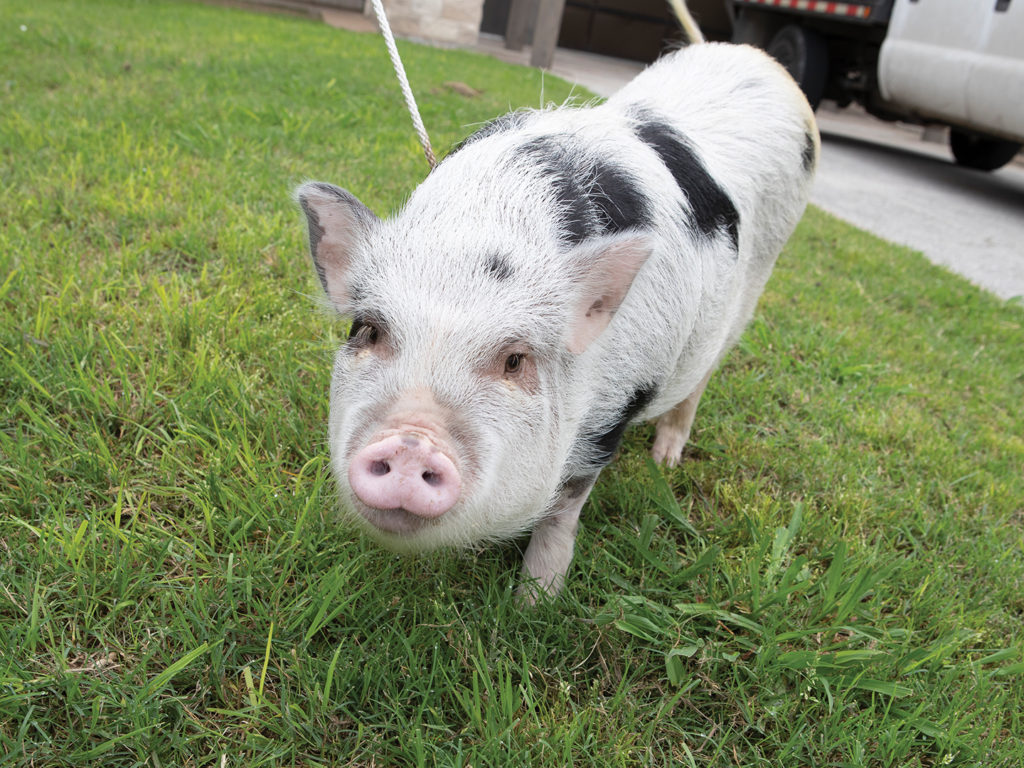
x=953 y=62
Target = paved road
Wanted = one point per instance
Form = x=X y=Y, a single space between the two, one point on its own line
x=886 y=180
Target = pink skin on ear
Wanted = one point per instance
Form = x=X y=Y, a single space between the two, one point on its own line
x=337 y=223
x=607 y=271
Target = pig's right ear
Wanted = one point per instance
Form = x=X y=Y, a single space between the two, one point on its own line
x=605 y=268
x=337 y=223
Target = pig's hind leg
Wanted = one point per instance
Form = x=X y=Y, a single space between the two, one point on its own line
x=549 y=553
x=673 y=429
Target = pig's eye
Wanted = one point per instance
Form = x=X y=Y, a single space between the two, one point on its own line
x=363 y=333
x=514 y=363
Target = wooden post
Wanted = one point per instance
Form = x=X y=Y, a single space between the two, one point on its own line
x=520 y=14
x=545 y=34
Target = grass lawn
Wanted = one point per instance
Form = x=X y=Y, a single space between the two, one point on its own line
x=833 y=577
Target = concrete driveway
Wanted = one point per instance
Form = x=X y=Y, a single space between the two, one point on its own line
x=887 y=179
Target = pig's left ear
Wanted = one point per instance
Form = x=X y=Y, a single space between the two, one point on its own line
x=337 y=222
x=605 y=268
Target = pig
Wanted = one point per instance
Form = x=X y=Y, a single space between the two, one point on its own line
x=561 y=274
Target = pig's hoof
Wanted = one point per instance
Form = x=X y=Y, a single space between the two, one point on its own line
x=668 y=445
x=532 y=591
x=540 y=586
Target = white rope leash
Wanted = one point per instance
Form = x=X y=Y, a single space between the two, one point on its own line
x=403 y=81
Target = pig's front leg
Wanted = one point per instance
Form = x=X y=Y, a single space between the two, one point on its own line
x=550 y=550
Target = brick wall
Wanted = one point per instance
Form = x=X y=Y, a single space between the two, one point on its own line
x=441 y=21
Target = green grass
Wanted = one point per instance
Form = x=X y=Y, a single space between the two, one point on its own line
x=834 y=577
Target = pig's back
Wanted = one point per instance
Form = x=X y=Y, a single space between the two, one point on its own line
x=753 y=134
x=710 y=150
x=749 y=122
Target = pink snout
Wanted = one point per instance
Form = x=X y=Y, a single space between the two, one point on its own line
x=405 y=471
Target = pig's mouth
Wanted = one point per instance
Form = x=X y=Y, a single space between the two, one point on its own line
x=395 y=521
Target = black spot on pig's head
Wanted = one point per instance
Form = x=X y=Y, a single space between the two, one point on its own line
x=558 y=162
x=595 y=197
x=499 y=267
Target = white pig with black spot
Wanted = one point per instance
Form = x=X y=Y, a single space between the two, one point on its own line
x=561 y=274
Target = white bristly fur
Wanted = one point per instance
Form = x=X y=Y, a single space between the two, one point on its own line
x=424 y=271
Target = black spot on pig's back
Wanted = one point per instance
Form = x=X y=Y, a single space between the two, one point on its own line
x=618 y=200
x=712 y=210
x=810 y=152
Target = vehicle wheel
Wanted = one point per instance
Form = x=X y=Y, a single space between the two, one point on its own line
x=754 y=27
x=983 y=153
x=804 y=54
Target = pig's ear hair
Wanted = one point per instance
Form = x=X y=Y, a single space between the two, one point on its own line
x=605 y=269
x=337 y=223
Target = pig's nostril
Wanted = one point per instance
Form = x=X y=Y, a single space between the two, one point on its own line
x=379 y=468
x=432 y=478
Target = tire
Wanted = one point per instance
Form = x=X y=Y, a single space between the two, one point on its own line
x=757 y=28
x=983 y=153
x=804 y=54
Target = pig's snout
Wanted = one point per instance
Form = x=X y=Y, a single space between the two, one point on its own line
x=405 y=472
